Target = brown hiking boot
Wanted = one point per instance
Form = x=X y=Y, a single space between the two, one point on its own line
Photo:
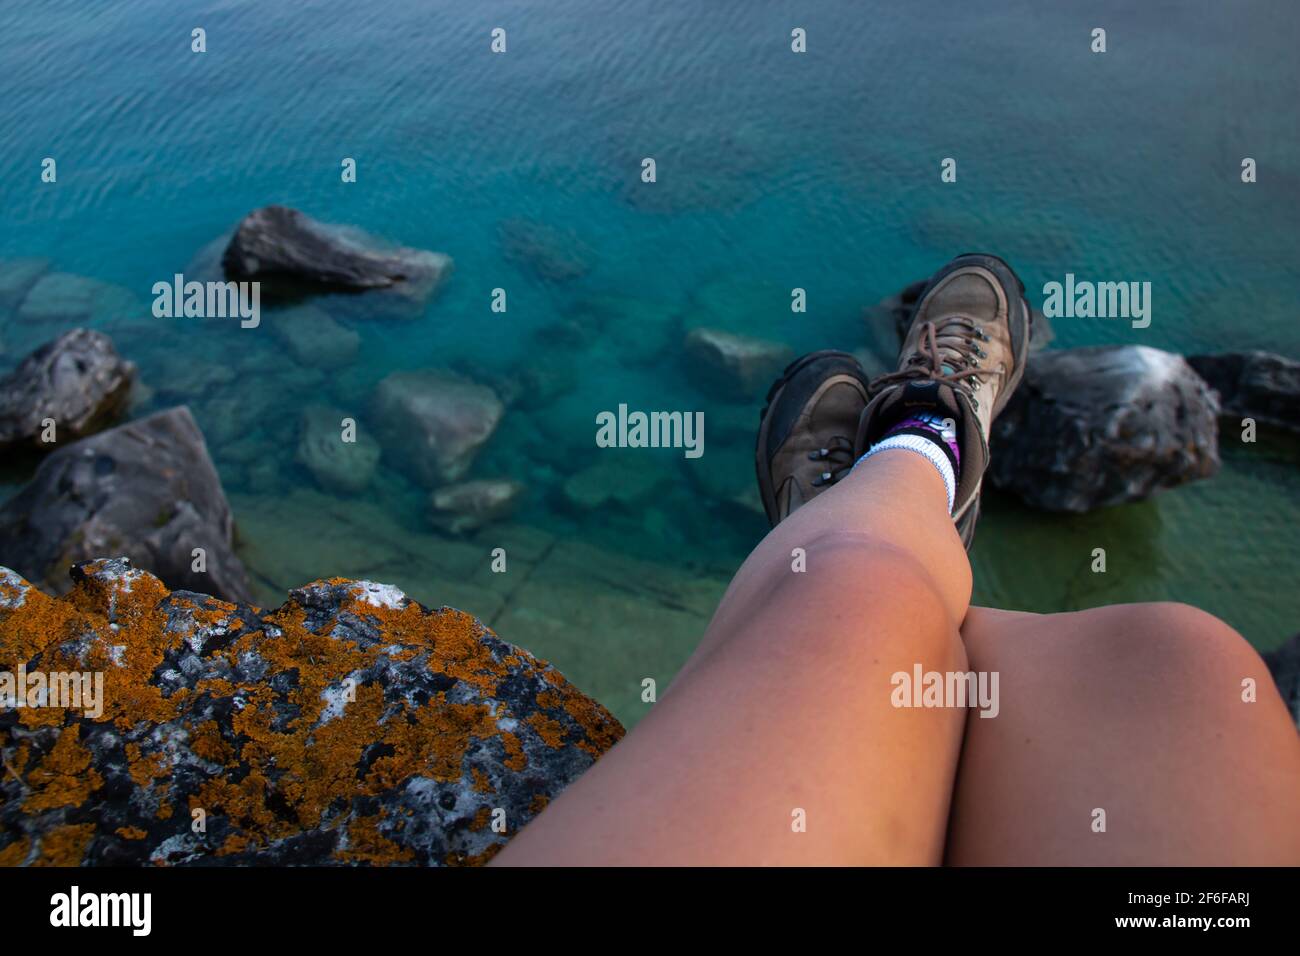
x=805 y=435
x=963 y=356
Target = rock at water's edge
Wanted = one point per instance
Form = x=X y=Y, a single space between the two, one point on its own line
x=78 y=380
x=1093 y=427
x=1258 y=385
x=146 y=489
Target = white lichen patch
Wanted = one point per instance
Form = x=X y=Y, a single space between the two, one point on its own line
x=379 y=595
x=337 y=697
x=13 y=589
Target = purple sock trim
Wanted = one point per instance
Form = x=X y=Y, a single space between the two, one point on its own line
x=944 y=429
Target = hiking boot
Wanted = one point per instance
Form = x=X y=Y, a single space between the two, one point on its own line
x=963 y=356
x=805 y=435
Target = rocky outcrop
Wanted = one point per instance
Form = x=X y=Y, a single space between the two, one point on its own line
x=1258 y=385
x=278 y=243
x=336 y=464
x=736 y=367
x=349 y=726
x=432 y=423
x=470 y=505
x=78 y=381
x=146 y=489
x=1093 y=427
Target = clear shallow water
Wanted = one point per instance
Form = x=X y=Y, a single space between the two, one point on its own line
x=775 y=171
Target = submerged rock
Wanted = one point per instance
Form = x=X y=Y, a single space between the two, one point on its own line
x=473 y=504
x=432 y=423
x=276 y=242
x=614 y=477
x=337 y=465
x=17 y=276
x=349 y=726
x=314 y=338
x=553 y=254
x=78 y=380
x=735 y=366
x=1258 y=385
x=146 y=489
x=1093 y=427
x=65 y=298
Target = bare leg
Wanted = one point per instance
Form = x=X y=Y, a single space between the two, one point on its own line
x=785 y=707
x=1136 y=710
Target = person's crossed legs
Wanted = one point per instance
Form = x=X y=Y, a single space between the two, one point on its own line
x=780 y=741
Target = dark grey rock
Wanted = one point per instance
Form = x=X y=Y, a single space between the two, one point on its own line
x=1284 y=664
x=278 y=243
x=78 y=380
x=1258 y=385
x=1093 y=427
x=146 y=489
x=349 y=726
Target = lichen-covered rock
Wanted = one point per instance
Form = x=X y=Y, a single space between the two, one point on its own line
x=348 y=726
x=337 y=465
x=78 y=380
x=1093 y=427
x=432 y=423
x=737 y=367
x=1258 y=385
x=284 y=249
x=146 y=489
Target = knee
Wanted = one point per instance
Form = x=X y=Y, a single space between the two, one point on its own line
x=1169 y=640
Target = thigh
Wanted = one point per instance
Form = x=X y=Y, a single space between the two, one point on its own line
x=1125 y=735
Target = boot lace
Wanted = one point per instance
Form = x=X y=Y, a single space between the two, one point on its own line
x=949 y=352
x=839 y=459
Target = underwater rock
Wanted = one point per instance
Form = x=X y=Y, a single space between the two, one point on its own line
x=17 y=276
x=337 y=465
x=614 y=477
x=1258 y=385
x=78 y=380
x=472 y=504
x=1092 y=427
x=349 y=726
x=65 y=298
x=314 y=338
x=432 y=423
x=276 y=242
x=735 y=366
x=553 y=254
x=146 y=489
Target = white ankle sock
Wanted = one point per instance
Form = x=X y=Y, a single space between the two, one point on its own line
x=927 y=450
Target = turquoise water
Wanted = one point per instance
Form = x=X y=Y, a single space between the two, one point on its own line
x=819 y=171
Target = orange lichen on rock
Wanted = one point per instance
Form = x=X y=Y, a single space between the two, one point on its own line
x=350 y=725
